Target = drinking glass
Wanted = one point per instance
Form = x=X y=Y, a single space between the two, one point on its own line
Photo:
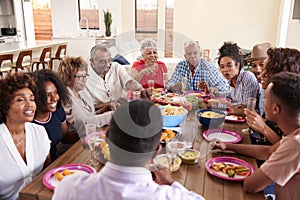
x=165 y=79
x=90 y=130
x=183 y=84
x=136 y=95
x=151 y=84
x=251 y=103
x=172 y=149
x=188 y=130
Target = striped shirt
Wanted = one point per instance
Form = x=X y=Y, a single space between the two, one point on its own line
x=203 y=72
x=246 y=86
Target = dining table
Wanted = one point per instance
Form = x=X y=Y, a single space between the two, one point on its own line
x=194 y=177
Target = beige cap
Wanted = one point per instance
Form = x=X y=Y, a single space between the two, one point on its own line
x=259 y=51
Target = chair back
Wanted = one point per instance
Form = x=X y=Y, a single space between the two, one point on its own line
x=6 y=62
x=24 y=60
x=46 y=54
x=61 y=51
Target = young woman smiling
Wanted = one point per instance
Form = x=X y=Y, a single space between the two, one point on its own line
x=50 y=113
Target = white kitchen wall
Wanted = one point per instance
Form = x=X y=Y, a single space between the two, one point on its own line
x=65 y=17
x=211 y=22
x=293 y=31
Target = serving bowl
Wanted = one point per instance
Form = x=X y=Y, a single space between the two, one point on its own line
x=189 y=156
x=163 y=160
x=214 y=120
x=173 y=120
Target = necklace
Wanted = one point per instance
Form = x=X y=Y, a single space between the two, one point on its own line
x=18 y=140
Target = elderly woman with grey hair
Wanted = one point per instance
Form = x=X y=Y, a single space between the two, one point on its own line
x=149 y=68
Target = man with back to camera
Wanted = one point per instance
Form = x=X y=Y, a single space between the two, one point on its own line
x=134 y=139
x=198 y=73
x=282 y=165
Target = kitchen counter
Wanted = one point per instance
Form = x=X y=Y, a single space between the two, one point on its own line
x=36 y=46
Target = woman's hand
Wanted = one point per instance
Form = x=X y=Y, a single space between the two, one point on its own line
x=203 y=86
x=147 y=70
x=255 y=121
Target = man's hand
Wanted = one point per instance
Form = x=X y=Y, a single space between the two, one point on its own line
x=216 y=144
x=145 y=93
x=203 y=86
x=176 y=87
x=255 y=121
x=163 y=176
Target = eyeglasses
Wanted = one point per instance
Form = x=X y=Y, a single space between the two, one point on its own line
x=104 y=61
x=81 y=77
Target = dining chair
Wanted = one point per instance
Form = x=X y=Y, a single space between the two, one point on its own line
x=59 y=55
x=6 y=62
x=44 y=59
x=24 y=61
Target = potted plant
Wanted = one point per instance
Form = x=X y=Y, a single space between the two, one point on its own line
x=107 y=22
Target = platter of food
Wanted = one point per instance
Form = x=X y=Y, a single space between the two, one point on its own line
x=167 y=135
x=54 y=176
x=169 y=98
x=229 y=168
x=235 y=118
x=216 y=99
x=199 y=94
x=225 y=136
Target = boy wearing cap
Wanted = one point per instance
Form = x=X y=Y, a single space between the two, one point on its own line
x=258 y=57
x=134 y=139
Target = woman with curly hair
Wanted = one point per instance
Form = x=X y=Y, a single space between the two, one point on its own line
x=243 y=83
x=24 y=146
x=81 y=110
x=50 y=113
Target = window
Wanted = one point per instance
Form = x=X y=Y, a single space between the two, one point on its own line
x=88 y=14
x=146 y=16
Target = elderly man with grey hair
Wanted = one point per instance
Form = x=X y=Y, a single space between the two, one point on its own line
x=195 y=73
x=134 y=139
x=108 y=81
x=149 y=68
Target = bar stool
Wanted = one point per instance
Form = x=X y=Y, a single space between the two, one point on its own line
x=59 y=55
x=6 y=62
x=24 y=60
x=43 y=60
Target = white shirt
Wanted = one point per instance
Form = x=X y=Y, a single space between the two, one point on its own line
x=15 y=174
x=113 y=86
x=82 y=111
x=119 y=182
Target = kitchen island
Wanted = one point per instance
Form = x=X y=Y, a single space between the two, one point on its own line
x=36 y=46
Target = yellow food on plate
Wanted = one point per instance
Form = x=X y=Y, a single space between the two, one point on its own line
x=60 y=175
x=210 y=114
x=172 y=110
x=230 y=169
x=167 y=135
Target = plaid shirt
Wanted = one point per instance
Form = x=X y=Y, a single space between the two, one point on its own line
x=203 y=72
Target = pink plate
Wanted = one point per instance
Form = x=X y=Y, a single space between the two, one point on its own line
x=225 y=136
x=50 y=181
x=227 y=160
x=234 y=118
x=199 y=94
